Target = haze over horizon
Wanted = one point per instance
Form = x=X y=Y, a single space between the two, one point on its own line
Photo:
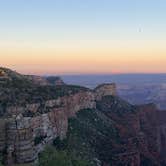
x=83 y=37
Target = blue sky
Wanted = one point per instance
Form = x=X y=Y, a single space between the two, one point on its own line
x=83 y=36
x=82 y=20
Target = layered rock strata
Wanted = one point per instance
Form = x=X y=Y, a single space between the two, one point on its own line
x=24 y=134
x=25 y=130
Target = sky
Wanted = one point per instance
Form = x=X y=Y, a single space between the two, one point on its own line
x=83 y=36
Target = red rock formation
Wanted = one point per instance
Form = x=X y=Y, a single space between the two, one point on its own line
x=150 y=127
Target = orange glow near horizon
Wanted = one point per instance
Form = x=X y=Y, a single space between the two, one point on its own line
x=83 y=37
x=85 y=58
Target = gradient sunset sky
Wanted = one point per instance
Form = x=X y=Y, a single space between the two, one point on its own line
x=83 y=36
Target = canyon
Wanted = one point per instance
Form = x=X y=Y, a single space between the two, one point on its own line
x=35 y=112
x=135 y=88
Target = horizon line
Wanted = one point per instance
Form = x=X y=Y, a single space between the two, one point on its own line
x=82 y=73
x=101 y=74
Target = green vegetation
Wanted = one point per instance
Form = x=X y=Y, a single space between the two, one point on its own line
x=89 y=140
x=38 y=140
x=1 y=160
x=145 y=161
x=23 y=95
x=60 y=144
x=18 y=90
x=92 y=135
x=115 y=105
x=51 y=157
x=53 y=79
x=89 y=136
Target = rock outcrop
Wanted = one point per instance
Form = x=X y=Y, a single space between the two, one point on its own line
x=38 y=80
x=105 y=90
x=55 y=80
x=19 y=141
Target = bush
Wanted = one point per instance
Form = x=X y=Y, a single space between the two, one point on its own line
x=39 y=139
x=60 y=144
x=51 y=157
x=1 y=160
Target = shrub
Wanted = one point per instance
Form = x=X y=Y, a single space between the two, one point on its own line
x=51 y=157
x=39 y=139
x=60 y=144
x=1 y=160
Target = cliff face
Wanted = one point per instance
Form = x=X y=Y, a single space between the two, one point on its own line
x=105 y=90
x=141 y=131
x=151 y=136
x=96 y=124
x=33 y=126
x=127 y=124
x=162 y=134
x=25 y=136
x=150 y=129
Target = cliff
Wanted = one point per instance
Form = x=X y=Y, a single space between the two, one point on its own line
x=40 y=123
x=105 y=90
x=97 y=125
x=28 y=124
